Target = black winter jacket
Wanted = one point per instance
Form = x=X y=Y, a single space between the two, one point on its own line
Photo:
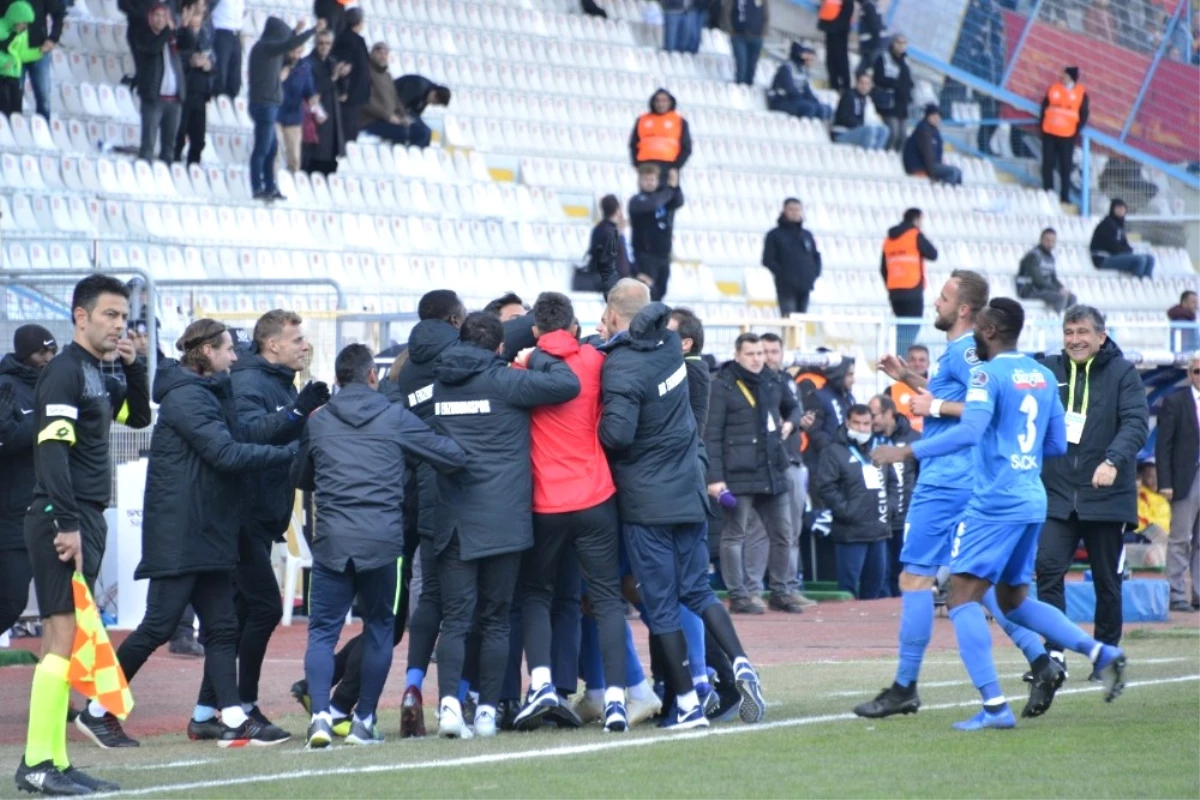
x=265 y=398
x=353 y=457
x=413 y=91
x=414 y=385
x=266 y=60
x=194 y=488
x=893 y=85
x=851 y=111
x=743 y=440
x=149 y=62
x=833 y=402
x=652 y=220
x=699 y=389
x=790 y=252
x=859 y=514
x=604 y=254
x=906 y=471
x=483 y=404
x=648 y=426
x=1109 y=240
x=16 y=452
x=351 y=48
x=1117 y=426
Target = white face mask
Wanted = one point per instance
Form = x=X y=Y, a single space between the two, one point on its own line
x=858 y=436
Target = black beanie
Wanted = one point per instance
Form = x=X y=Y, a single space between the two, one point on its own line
x=29 y=339
x=1073 y=72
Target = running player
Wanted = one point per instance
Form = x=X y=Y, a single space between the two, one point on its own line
x=1013 y=418
x=943 y=489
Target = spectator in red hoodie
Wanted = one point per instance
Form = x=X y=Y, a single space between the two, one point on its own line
x=1185 y=310
x=574 y=507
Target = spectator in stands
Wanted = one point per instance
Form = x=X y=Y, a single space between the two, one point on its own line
x=791 y=90
x=893 y=428
x=697 y=19
x=1038 y=278
x=1091 y=490
x=905 y=251
x=674 y=24
x=832 y=402
x=901 y=394
x=383 y=115
x=660 y=136
x=1064 y=114
x=1185 y=309
x=746 y=22
x=893 y=90
x=14 y=53
x=850 y=122
x=790 y=252
x=859 y=495
x=923 y=150
x=417 y=93
x=198 y=67
x=266 y=94
x=749 y=417
x=484 y=520
x=506 y=307
x=350 y=48
x=1177 y=453
x=333 y=12
x=322 y=155
x=160 y=79
x=227 y=19
x=608 y=260
x=1154 y=510
x=834 y=19
x=652 y=222
x=299 y=94
x=1111 y=250
x=592 y=10
x=33 y=347
x=870 y=32
x=43 y=34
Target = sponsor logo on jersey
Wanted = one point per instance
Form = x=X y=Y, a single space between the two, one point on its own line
x=457 y=408
x=1028 y=379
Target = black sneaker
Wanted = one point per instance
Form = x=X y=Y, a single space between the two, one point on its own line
x=256 y=714
x=564 y=716
x=105 y=731
x=264 y=195
x=1047 y=678
x=207 y=731
x=185 y=646
x=277 y=196
x=252 y=733
x=506 y=714
x=45 y=778
x=730 y=704
x=88 y=782
x=892 y=700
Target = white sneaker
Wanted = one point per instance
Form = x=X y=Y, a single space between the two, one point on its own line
x=640 y=711
x=450 y=723
x=588 y=710
x=485 y=722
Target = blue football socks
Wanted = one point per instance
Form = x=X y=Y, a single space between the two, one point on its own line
x=1054 y=625
x=1030 y=643
x=975 y=648
x=414 y=678
x=916 y=628
x=693 y=631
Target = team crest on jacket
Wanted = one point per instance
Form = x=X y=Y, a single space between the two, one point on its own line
x=1032 y=379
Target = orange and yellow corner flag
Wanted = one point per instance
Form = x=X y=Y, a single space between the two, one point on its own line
x=94 y=670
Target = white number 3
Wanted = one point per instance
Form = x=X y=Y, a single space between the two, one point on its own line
x=1029 y=407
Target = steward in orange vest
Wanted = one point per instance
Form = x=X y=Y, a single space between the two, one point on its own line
x=1064 y=113
x=661 y=135
x=902 y=265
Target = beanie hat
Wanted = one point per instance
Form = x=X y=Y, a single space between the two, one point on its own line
x=1073 y=72
x=30 y=339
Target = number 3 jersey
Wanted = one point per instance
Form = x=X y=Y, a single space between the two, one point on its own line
x=1021 y=396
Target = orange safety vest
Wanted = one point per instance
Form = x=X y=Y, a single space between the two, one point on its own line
x=902 y=396
x=905 y=266
x=659 y=136
x=830 y=9
x=1062 y=114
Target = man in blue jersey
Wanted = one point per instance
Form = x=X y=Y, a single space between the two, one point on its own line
x=943 y=489
x=1013 y=418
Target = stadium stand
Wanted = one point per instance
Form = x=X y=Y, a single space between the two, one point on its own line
x=544 y=98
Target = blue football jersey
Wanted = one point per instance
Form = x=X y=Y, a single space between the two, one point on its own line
x=1022 y=398
x=949 y=382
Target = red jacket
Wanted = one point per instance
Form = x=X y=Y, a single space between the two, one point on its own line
x=570 y=470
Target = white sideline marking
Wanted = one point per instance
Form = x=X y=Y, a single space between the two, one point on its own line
x=570 y=750
x=191 y=762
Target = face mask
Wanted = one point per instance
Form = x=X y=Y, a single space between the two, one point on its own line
x=858 y=436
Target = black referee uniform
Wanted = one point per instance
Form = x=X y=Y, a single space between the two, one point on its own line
x=74 y=408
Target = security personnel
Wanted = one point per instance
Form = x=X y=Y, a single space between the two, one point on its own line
x=661 y=135
x=834 y=18
x=73 y=410
x=33 y=347
x=902 y=264
x=1064 y=113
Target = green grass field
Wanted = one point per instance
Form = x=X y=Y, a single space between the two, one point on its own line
x=1146 y=744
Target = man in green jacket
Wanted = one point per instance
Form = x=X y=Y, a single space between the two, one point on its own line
x=14 y=53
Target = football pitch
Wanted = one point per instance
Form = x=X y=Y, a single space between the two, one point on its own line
x=1145 y=744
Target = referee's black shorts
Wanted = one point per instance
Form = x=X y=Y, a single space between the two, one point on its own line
x=51 y=575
